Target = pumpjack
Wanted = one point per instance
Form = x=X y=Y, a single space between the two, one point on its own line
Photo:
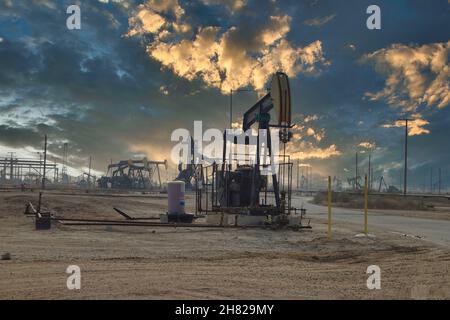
x=132 y=174
x=244 y=189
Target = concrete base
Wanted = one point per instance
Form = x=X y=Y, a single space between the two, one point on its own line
x=216 y=218
x=243 y=220
x=236 y=219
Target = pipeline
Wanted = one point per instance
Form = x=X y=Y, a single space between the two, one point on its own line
x=74 y=222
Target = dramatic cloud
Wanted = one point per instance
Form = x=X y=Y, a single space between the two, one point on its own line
x=148 y=17
x=139 y=69
x=415 y=126
x=145 y=21
x=231 y=5
x=318 y=22
x=416 y=75
x=367 y=145
x=224 y=58
x=307 y=138
x=307 y=152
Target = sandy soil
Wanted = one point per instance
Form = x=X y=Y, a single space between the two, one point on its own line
x=152 y=263
x=413 y=207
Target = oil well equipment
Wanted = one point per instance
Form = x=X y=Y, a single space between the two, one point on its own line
x=133 y=174
x=241 y=189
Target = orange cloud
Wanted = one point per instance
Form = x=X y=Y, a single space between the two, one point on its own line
x=415 y=127
x=306 y=140
x=148 y=17
x=225 y=59
x=310 y=152
x=415 y=75
x=367 y=145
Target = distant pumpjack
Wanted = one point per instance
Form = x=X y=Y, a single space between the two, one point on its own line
x=132 y=174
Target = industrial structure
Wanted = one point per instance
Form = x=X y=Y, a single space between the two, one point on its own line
x=133 y=174
x=189 y=174
x=29 y=171
x=242 y=189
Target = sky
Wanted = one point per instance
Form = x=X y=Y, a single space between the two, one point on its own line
x=137 y=70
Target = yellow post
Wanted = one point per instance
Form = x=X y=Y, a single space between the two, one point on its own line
x=329 y=207
x=366 y=203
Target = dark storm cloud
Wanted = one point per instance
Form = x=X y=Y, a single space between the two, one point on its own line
x=99 y=80
x=338 y=94
x=19 y=137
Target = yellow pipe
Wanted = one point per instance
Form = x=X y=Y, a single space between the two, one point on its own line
x=329 y=207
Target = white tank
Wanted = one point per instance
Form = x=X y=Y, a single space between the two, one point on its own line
x=175 y=193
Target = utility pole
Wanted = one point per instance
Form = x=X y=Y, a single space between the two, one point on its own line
x=431 y=180
x=371 y=179
x=40 y=164
x=89 y=174
x=368 y=174
x=405 y=175
x=65 y=150
x=11 y=171
x=54 y=170
x=356 y=172
x=439 y=184
x=45 y=162
x=298 y=174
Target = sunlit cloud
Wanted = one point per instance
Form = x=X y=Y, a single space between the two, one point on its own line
x=367 y=145
x=306 y=143
x=415 y=126
x=231 y=5
x=146 y=20
x=223 y=58
x=308 y=151
x=310 y=118
x=416 y=75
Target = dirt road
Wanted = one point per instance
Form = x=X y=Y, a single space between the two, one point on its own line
x=433 y=230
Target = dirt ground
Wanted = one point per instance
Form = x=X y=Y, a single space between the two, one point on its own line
x=189 y=263
x=412 y=206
